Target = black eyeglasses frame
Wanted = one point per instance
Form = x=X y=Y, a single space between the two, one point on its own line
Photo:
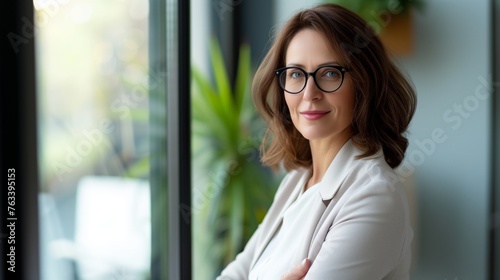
x=342 y=70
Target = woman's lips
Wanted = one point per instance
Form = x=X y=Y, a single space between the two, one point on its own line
x=314 y=115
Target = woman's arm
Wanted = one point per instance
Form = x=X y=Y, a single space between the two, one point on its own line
x=240 y=267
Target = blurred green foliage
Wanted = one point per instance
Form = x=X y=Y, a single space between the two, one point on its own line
x=232 y=190
x=372 y=10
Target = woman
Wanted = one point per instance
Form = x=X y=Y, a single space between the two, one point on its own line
x=337 y=110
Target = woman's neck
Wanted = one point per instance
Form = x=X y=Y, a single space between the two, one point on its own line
x=323 y=152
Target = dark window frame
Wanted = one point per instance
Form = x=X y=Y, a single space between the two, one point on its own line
x=18 y=145
x=171 y=178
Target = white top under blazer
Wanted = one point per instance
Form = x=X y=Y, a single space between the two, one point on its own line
x=353 y=225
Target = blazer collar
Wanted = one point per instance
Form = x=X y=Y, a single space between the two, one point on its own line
x=338 y=170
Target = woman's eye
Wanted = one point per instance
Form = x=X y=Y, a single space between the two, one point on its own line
x=331 y=74
x=296 y=74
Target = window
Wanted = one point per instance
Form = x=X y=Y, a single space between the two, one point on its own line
x=94 y=148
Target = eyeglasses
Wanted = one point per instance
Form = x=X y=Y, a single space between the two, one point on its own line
x=327 y=78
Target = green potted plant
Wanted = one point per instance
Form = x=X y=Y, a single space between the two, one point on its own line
x=231 y=189
x=370 y=9
x=391 y=19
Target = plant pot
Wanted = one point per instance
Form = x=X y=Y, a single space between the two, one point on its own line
x=397 y=35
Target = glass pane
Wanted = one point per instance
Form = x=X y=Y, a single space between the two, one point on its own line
x=93 y=83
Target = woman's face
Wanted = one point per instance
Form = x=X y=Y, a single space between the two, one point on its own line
x=317 y=114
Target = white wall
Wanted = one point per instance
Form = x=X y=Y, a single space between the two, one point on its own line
x=286 y=8
x=200 y=33
x=450 y=60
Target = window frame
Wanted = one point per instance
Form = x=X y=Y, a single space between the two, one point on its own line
x=18 y=146
x=171 y=231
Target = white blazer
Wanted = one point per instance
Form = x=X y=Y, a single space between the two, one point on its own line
x=357 y=228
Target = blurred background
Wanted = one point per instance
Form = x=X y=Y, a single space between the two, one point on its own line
x=102 y=77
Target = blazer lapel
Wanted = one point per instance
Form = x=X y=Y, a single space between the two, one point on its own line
x=339 y=168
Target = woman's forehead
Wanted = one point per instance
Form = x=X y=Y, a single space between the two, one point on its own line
x=310 y=47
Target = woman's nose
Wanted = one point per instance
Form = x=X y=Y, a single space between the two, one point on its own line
x=311 y=91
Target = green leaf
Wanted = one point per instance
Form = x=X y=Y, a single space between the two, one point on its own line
x=243 y=78
x=206 y=107
x=204 y=95
x=221 y=79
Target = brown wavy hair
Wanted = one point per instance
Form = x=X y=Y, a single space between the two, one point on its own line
x=385 y=100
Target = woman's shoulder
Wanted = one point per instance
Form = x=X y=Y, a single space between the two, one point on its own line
x=373 y=174
x=375 y=165
x=373 y=178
